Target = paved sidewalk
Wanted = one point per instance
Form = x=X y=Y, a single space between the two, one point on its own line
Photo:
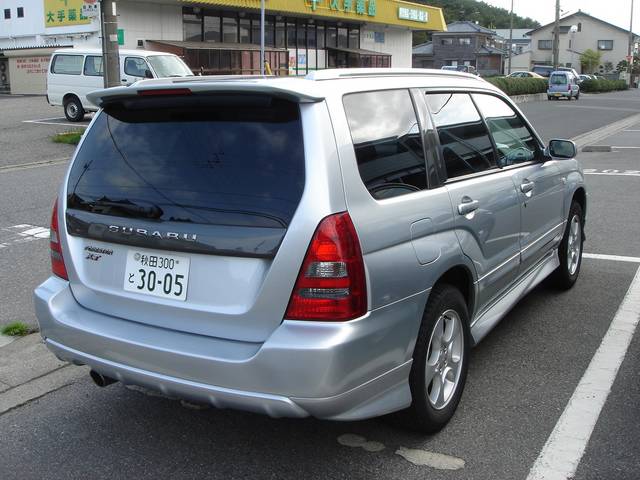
x=28 y=371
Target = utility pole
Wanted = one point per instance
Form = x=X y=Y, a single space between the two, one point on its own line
x=631 y=42
x=556 y=38
x=110 y=55
x=510 y=37
x=262 y=37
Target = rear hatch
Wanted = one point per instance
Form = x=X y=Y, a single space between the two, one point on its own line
x=558 y=83
x=176 y=207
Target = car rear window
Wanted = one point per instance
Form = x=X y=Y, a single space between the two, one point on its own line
x=558 y=80
x=218 y=160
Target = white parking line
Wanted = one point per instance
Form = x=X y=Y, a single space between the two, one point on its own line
x=47 y=121
x=565 y=446
x=612 y=171
x=613 y=258
x=21 y=234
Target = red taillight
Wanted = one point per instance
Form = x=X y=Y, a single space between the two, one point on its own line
x=331 y=285
x=164 y=91
x=57 y=262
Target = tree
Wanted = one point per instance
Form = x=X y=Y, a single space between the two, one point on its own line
x=590 y=60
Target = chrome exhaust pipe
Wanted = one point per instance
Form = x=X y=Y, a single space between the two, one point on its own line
x=100 y=380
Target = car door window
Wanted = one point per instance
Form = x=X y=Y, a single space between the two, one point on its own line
x=93 y=66
x=387 y=141
x=135 y=66
x=464 y=141
x=514 y=141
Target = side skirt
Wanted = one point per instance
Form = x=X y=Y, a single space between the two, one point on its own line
x=489 y=318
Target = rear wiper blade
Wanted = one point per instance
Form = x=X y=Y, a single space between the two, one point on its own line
x=125 y=206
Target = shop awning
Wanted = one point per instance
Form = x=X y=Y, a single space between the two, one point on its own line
x=358 y=51
x=388 y=12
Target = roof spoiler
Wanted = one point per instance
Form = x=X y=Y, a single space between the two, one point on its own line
x=109 y=95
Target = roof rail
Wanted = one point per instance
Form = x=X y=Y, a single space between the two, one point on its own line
x=336 y=73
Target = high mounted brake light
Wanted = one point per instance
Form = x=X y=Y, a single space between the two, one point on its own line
x=331 y=285
x=164 y=92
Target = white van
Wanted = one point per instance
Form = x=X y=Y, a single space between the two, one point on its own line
x=73 y=73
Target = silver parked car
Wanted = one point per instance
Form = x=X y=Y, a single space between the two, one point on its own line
x=330 y=246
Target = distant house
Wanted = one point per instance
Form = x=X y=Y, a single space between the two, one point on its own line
x=521 y=42
x=464 y=43
x=422 y=55
x=578 y=32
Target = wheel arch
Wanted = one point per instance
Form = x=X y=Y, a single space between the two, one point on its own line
x=580 y=196
x=460 y=277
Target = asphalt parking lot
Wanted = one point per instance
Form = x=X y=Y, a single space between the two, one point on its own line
x=522 y=381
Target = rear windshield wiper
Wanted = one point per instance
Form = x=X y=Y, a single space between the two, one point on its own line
x=126 y=207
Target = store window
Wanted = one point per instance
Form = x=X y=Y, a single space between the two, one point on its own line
x=343 y=38
x=320 y=35
x=212 y=29
x=311 y=36
x=354 y=38
x=192 y=27
x=332 y=36
x=245 y=30
x=230 y=30
x=280 y=33
x=302 y=35
x=291 y=33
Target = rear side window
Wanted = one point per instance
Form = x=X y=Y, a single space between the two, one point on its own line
x=464 y=140
x=67 y=64
x=213 y=160
x=93 y=66
x=387 y=142
x=514 y=141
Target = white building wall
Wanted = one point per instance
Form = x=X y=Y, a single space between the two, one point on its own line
x=30 y=30
x=149 y=21
x=397 y=43
x=587 y=38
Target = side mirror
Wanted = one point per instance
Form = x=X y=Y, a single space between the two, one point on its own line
x=148 y=74
x=562 y=149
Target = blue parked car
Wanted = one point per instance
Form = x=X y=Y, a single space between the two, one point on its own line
x=563 y=84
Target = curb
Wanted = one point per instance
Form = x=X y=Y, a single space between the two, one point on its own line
x=534 y=97
x=594 y=136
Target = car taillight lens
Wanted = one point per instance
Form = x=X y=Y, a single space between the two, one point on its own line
x=331 y=285
x=57 y=262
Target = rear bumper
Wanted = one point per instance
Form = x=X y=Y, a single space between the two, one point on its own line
x=340 y=371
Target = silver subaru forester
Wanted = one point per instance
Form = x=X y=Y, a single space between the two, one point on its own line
x=328 y=246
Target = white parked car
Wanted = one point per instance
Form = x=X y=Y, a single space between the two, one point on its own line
x=74 y=72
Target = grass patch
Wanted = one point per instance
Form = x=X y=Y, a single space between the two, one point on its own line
x=70 y=138
x=16 y=329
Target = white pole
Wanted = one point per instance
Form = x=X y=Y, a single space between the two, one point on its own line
x=510 y=37
x=261 y=37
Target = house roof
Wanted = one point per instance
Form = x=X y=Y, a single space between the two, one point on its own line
x=465 y=26
x=486 y=50
x=519 y=34
x=423 y=49
x=583 y=14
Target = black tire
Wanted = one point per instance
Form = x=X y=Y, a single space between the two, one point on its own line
x=565 y=276
x=549 y=97
x=422 y=415
x=578 y=96
x=73 y=110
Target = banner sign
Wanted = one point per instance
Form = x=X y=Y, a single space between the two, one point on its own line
x=63 y=13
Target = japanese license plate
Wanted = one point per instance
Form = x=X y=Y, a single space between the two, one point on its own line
x=558 y=94
x=157 y=274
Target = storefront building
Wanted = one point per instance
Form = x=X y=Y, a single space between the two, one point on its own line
x=223 y=36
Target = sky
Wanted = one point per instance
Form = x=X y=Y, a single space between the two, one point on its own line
x=617 y=12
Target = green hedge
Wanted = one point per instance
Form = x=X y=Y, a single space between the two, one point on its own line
x=603 y=85
x=519 y=86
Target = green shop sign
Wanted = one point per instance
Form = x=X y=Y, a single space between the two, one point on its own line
x=413 y=14
x=359 y=7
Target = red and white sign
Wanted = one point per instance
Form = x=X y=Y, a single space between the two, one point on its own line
x=90 y=8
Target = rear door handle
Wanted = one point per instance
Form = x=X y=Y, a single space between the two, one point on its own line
x=526 y=187
x=468 y=206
